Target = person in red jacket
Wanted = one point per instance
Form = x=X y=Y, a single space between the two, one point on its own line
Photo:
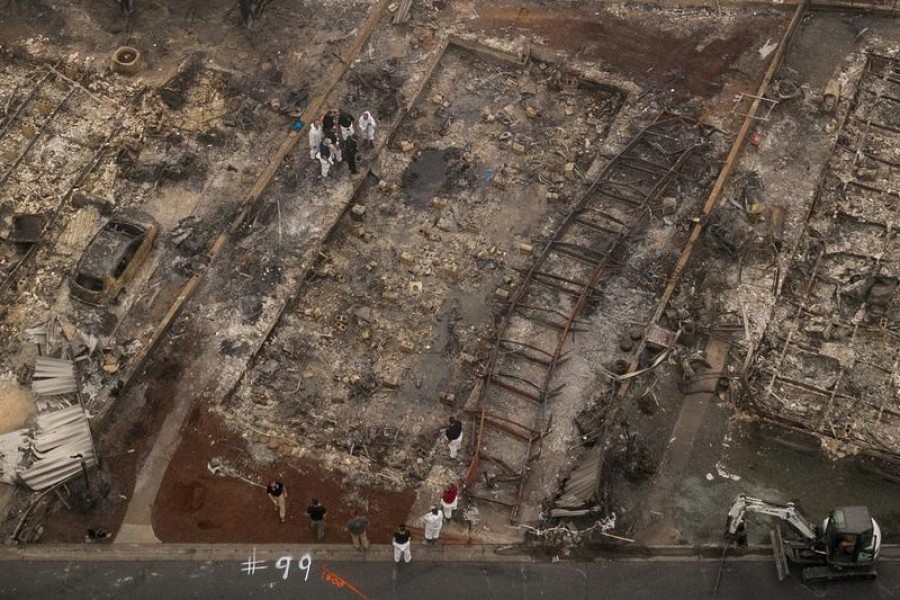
x=449 y=499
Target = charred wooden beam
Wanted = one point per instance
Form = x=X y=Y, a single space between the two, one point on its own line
x=873 y=188
x=645 y=161
x=508 y=430
x=579 y=253
x=605 y=215
x=543 y=322
x=25 y=102
x=524 y=345
x=491 y=500
x=519 y=378
x=596 y=226
x=561 y=288
x=595 y=255
x=517 y=391
x=609 y=194
x=558 y=313
x=504 y=466
x=36 y=137
x=525 y=356
x=877 y=125
x=880 y=95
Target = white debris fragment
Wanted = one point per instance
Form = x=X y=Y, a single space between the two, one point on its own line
x=767 y=48
x=725 y=474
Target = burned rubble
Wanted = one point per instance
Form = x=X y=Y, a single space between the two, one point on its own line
x=590 y=237
x=76 y=158
x=826 y=362
x=385 y=325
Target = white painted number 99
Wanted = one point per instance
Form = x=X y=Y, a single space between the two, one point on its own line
x=305 y=564
x=284 y=563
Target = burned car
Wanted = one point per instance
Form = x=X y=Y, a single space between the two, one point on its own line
x=112 y=258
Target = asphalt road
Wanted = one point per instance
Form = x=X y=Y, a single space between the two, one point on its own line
x=421 y=580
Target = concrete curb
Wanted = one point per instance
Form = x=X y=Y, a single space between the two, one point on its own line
x=241 y=552
x=482 y=553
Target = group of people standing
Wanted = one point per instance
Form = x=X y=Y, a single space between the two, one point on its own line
x=434 y=521
x=278 y=495
x=357 y=526
x=333 y=138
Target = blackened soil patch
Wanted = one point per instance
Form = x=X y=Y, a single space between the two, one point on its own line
x=425 y=177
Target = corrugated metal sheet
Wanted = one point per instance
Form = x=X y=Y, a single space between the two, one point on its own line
x=11 y=453
x=581 y=486
x=53 y=367
x=59 y=437
x=49 y=336
x=54 y=386
x=38 y=335
x=48 y=404
x=58 y=337
x=54 y=376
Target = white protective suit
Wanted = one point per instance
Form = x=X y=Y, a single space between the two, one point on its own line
x=325 y=162
x=367 y=127
x=433 y=523
x=315 y=138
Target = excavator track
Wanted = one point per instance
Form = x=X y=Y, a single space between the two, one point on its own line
x=824 y=574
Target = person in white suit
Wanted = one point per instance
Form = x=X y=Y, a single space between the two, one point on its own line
x=433 y=523
x=367 y=127
x=315 y=138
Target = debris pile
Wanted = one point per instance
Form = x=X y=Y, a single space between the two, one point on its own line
x=828 y=363
x=397 y=311
x=60 y=445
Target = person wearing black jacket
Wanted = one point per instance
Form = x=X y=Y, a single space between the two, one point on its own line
x=345 y=122
x=278 y=496
x=454 y=435
x=316 y=514
x=350 y=151
x=328 y=120
x=401 y=544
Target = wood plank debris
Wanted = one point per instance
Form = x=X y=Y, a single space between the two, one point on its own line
x=402 y=14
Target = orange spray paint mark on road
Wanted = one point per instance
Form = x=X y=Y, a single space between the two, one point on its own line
x=336 y=580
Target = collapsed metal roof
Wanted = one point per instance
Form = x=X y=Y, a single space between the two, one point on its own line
x=62 y=439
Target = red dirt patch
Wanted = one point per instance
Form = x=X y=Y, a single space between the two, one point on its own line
x=193 y=505
x=639 y=51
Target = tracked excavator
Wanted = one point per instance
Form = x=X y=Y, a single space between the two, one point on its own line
x=844 y=548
